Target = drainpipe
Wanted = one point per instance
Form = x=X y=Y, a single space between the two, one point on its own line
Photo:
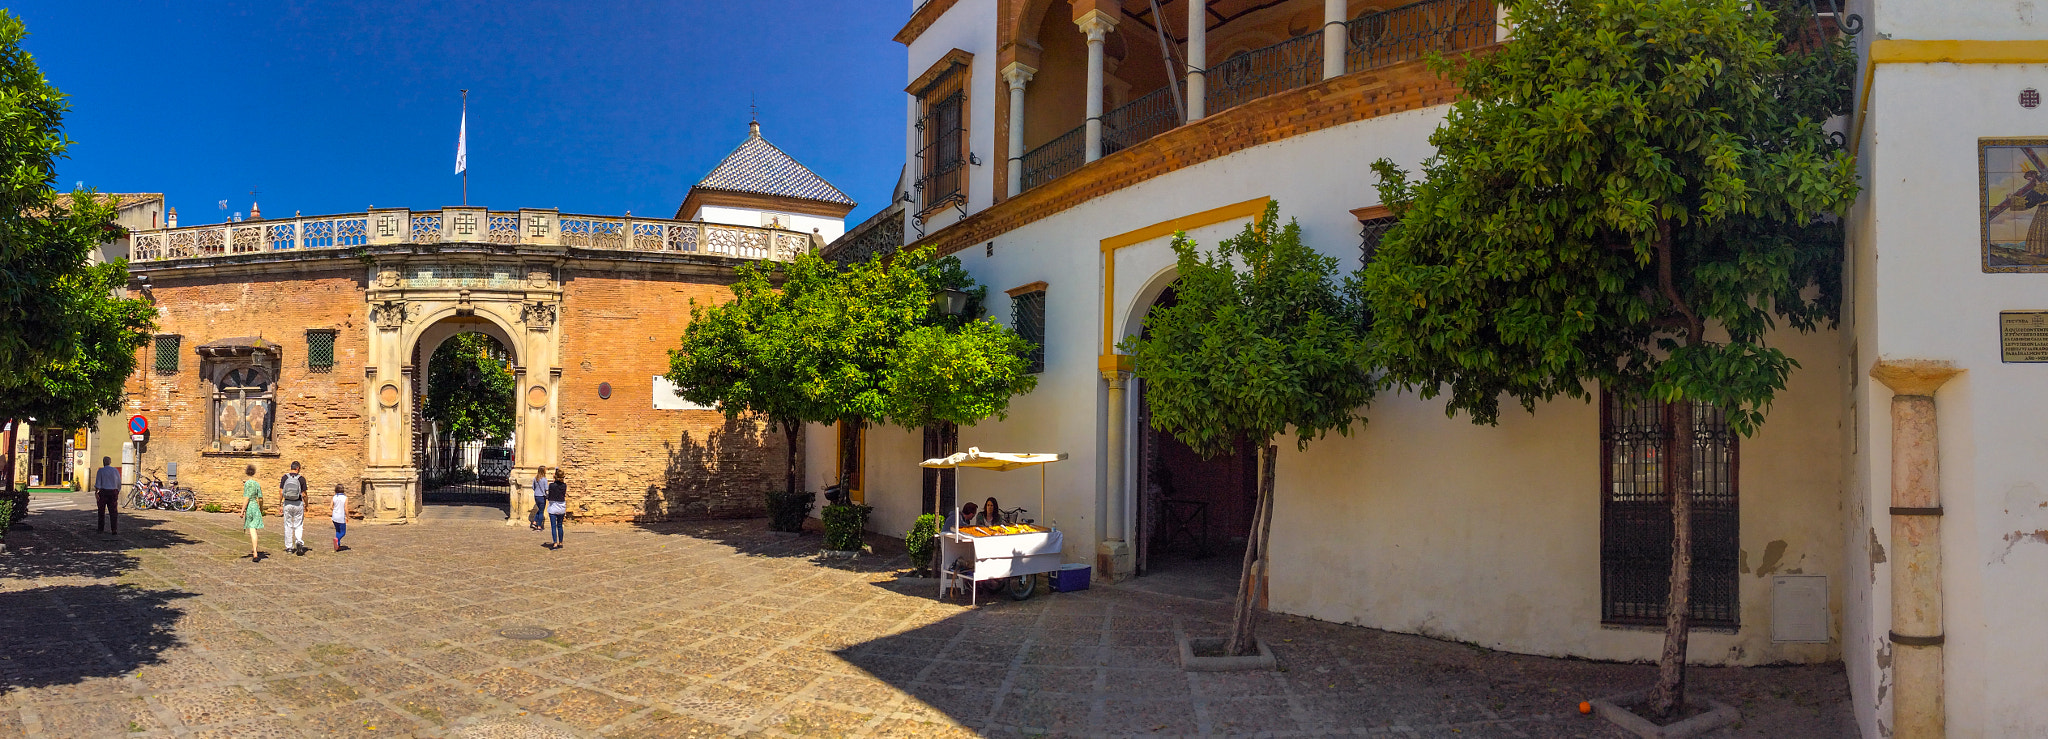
x=1916 y=634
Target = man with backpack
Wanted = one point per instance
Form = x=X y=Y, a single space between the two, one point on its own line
x=294 y=488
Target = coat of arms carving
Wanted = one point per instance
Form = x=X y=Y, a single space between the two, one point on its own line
x=538 y=316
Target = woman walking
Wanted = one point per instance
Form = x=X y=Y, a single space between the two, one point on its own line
x=252 y=510
x=558 y=507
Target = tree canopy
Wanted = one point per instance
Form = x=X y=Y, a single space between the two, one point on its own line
x=1263 y=340
x=1633 y=193
x=469 y=388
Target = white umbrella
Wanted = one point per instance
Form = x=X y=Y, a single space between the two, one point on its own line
x=1000 y=462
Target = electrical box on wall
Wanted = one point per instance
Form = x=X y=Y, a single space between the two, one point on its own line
x=1799 y=608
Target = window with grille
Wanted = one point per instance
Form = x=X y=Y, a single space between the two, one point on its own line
x=1635 y=514
x=167 y=353
x=1369 y=232
x=320 y=349
x=1027 y=311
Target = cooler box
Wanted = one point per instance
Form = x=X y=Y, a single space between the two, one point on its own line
x=1071 y=577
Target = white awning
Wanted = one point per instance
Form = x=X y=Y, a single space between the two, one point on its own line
x=998 y=461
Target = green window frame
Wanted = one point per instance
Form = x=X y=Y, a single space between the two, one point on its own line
x=167 y=346
x=320 y=349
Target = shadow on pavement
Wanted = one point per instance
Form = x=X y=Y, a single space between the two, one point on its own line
x=71 y=633
x=65 y=544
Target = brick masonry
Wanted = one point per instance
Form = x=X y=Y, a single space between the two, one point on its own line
x=625 y=461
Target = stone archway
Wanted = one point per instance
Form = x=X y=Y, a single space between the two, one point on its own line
x=417 y=303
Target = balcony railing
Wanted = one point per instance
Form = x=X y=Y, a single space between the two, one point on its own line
x=477 y=226
x=1261 y=72
x=1053 y=159
x=1375 y=40
x=1150 y=115
x=1407 y=33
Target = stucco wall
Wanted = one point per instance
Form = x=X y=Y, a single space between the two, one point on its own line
x=1921 y=293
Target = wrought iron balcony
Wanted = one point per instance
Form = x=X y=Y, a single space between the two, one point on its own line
x=1374 y=40
x=466 y=225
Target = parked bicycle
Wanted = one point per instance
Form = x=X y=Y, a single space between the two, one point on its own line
x=152 y=492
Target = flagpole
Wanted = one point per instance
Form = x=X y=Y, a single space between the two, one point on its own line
x=465 y=142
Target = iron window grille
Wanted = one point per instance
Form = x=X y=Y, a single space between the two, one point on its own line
x=1370 y=231
x=167 y=353
x=320 y=349
x=1635 y=514
x=1028 y=312
x=942 y=160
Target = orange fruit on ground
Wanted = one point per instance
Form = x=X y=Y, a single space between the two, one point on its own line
x=1585 y=706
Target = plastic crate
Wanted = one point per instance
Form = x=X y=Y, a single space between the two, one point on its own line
x=1071 y=577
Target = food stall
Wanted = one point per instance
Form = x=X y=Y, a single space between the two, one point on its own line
x=1017 y=552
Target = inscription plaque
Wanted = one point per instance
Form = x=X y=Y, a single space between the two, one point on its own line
x=2023 y=335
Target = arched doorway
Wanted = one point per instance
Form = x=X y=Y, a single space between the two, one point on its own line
x=464 y=418
x=1194 y=514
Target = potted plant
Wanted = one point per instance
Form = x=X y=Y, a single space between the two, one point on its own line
x=922 y=541
x=787 y=510
x=844 y=524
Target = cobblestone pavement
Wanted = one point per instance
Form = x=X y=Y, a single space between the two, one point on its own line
x=700 y=630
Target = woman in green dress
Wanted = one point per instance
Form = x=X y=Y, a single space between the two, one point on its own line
x=252 y=510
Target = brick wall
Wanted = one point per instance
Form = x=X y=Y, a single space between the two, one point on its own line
x=623 y=459
x=319 y=418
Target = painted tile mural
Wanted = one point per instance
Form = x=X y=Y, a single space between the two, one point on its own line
x=2013 y=190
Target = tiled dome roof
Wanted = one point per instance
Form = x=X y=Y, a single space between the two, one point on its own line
x=759 y=168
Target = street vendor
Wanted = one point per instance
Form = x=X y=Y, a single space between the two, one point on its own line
x=991 y=514
x=965 y=517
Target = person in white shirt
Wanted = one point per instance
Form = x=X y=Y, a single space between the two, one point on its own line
x=106 y=486
x=293 y=489
x=340 y=515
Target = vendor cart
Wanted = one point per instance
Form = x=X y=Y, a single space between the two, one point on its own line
x=1017 y=552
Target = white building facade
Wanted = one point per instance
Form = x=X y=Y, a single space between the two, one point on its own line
x=1054 y=147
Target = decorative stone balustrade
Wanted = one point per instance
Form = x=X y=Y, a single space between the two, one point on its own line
x=384 y=226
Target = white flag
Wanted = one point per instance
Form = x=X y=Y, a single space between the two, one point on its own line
x=462 y=143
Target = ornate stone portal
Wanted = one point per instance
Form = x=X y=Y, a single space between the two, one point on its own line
x=416 y=303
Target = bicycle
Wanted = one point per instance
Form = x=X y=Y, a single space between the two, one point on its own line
x=152 y=492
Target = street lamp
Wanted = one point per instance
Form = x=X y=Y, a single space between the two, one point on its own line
x=951 y=302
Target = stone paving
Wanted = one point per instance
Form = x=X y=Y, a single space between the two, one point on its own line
x=706 y=629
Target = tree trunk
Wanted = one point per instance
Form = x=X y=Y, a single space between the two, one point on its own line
x=1669 y=699
x=1250 y=579
x=790 y=431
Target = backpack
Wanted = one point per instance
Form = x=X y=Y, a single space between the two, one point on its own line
x=294 y=489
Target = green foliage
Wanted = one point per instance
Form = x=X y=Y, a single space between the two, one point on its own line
x=1632 y=193
x=6 y=514
x=211 y=508
x=922 y=540
x=1262 y=340
x=843 y=525
x=469 y=390
x=787 y=510
x=66 y=345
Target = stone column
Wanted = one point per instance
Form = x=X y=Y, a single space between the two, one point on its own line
x=1017 y=75
x=1334 y=41
x=1916 y=633
x=1097 y=25
x=1198 y=58
x=1113 y=553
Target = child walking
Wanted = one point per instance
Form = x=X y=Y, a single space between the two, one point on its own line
x=340 y=515
x=252 y=510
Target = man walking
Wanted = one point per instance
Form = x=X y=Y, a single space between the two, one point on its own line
x=540 y=497
x=106 y=486
x=294 y=487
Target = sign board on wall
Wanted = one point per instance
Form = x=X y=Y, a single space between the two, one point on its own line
x=2023 y=335
x=666 y=399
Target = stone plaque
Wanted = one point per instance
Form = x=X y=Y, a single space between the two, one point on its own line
x=2023 y=335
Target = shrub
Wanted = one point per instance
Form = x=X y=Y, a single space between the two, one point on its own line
x=787 y=511
x=6 y=514
x=922 y=540
x=211 y=508
x=843 y=525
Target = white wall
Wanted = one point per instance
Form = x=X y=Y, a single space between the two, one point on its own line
x=829 y=228
x=1921 y=293
x=968 y=26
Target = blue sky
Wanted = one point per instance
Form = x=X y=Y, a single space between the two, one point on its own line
x=591 y=107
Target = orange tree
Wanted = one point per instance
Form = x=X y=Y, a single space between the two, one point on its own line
x=1632 y=193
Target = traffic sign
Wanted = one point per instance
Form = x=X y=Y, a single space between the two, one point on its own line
x=138 y=424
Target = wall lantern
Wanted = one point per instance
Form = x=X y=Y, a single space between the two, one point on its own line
x=951 y=301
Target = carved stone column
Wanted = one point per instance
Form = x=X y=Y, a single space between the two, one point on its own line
x=1017 y=75
x=1198 y=59
x=1113 y=553
x=1097 y=25
x=1916 y=633
x=1334 y=41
